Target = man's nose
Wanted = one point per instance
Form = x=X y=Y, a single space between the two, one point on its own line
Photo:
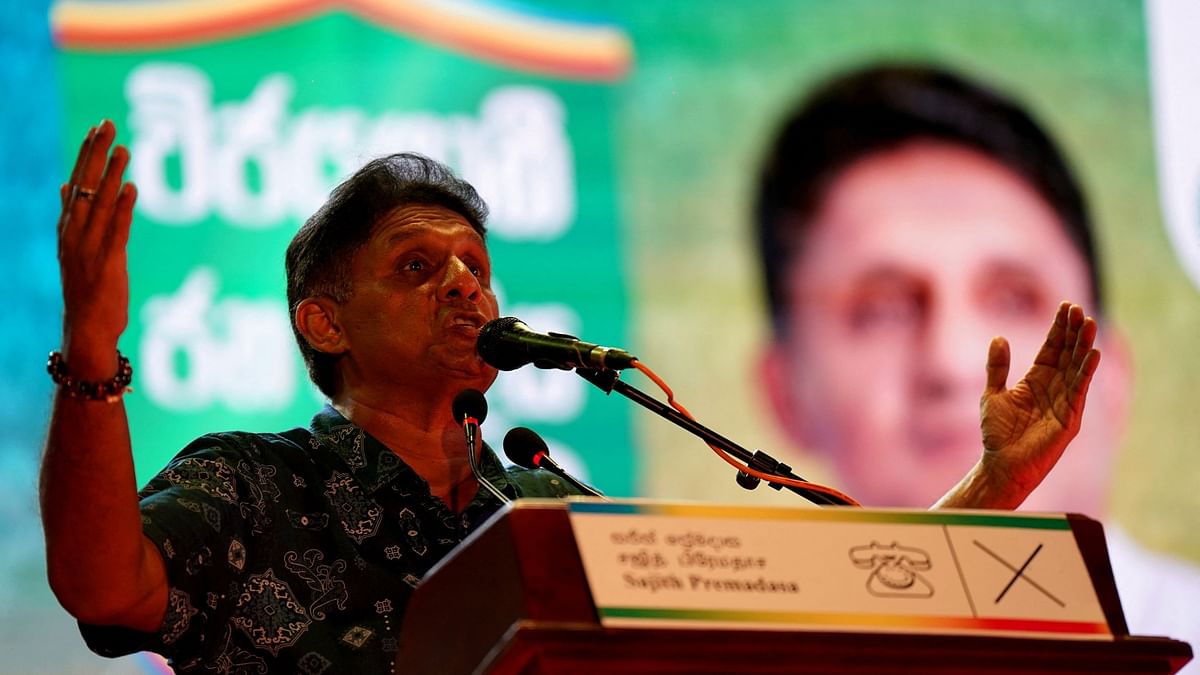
x=953 y=349
x=460 y=282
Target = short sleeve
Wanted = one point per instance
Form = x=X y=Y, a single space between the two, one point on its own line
x=192 y=511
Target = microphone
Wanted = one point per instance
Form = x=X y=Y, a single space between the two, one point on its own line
x=525 y=448
x=507 y=344
x=470 y=409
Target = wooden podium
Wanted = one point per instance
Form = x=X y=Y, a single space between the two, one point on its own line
x=514 y=598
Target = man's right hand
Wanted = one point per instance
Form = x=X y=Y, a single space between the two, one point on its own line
x=100 y=565
x=93 y=230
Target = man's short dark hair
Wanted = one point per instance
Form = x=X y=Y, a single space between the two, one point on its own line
x=884 y=107
x=318 y=259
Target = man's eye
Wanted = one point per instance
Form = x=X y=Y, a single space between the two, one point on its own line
x=1016 y=300
x=886 y=310
x=414 y=265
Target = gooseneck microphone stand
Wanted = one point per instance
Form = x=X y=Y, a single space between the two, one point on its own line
x=609 y=381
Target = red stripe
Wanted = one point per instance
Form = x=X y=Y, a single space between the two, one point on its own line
x=1044 y=626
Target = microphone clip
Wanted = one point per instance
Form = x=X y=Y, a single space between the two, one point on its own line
x=765 y=463
x=605 y=380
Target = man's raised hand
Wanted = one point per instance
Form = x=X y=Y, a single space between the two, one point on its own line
x=93 y=230
x=1026 y=428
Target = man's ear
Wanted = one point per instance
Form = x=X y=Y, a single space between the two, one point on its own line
x=317 y=320
x=774 y=373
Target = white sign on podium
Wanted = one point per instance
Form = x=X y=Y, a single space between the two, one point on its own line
x=866 y=570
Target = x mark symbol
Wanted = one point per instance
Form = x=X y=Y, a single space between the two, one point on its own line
x=1019 y=573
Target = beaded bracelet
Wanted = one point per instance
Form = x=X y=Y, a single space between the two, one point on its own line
x=110 y=390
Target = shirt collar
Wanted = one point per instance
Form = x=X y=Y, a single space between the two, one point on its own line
x=372 y=463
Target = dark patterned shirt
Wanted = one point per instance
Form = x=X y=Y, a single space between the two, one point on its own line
x=297 y=552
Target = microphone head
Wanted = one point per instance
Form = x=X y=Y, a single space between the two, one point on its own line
x=493 y=348
x=470 y=403
x=522 y=444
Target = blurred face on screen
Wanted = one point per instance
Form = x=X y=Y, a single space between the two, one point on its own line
x=915 y=259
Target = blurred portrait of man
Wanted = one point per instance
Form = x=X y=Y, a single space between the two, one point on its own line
x=905 y=216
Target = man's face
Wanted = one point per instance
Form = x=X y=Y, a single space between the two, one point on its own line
x=915 y=260
x=421 y=292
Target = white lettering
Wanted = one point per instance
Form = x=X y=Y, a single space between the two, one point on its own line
x=248 y=144
x=195 y=351
x=522 y=164
x=170 y=122
x=257 y=165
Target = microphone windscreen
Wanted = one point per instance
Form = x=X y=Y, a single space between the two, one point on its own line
x=493 y=348
x=470 y=403
x=522 y=444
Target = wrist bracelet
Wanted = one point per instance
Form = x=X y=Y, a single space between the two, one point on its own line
x=110 y=390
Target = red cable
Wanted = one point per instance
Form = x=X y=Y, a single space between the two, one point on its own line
x=815 y=487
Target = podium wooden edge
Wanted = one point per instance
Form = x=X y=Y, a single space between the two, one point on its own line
x=533 y=648
x=1089 y=535
x=522 y=542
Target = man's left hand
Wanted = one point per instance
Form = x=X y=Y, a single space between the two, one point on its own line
x=1026 y=428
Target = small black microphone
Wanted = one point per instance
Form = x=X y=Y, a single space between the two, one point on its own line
x=469 y=403
x=470 y=409
x=525 y=448
x=507 y=344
